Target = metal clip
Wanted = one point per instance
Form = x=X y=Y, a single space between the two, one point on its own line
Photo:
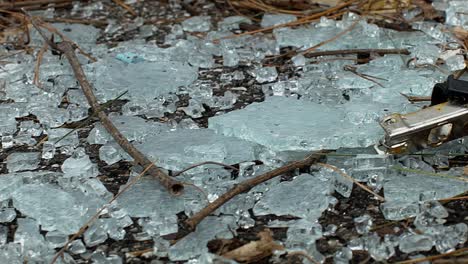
x=429 y=127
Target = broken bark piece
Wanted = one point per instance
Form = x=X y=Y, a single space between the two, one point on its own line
x=255 y=250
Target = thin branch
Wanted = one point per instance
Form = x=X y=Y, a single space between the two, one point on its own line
x=67 y=48
x=125 y=6
x=96 y=216
x=83 y=123
x=370 y=78
x=303 y=254
x=205 y=163
x=365 y=188
x=417 y=260
x=88 y=119
x=337 y=36
x=19 y=4
x=172 y=185
x=357 y=51
x=301 y=21
x=76 y=20
x=40 y=55
x=246 y=185
x=414 y=99
x=427 y=173
x=454 y=199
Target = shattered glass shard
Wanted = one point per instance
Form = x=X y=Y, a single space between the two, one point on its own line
x=363 y=224
x=57 y=137
x=144 y=80
x=399 y=209
x=11 y=253
x=232 y=22
x=132 y=127
x=95 y=234
x=371 y=167
x=197 y=24
x=148 y=198
x=230 y=58
x=265 y=74
x=56 y=239
x=8 y=184
x=3 y=237
x=54 y=208
x=457 y=13
x=110 y=154
x=343 y=185
x=195 y=109
x=343 y=256
x=176 y=150
x=7 y=215
x=21 y=161
x=305 y=126
x=301 y=233
x=269 y=20
x=306 y=196
x=413 y=242
x=79 y=165
x=77 y=247
x=195 y=243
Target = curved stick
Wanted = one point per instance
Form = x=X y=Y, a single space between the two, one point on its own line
x=174 y=186
x=246 y=185
x=68 y=49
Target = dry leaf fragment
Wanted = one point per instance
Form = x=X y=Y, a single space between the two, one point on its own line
x=255 y=250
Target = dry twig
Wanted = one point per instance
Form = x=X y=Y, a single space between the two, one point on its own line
x=430 y=258
x=68 y=49
x=246 y=185
x=31 y=4
x=362 y=186
x=304 y=20
x=368 y=77
x=205 y=163
x=357 y=51
x=125 y=6
x=40 y=55
x=414 y=99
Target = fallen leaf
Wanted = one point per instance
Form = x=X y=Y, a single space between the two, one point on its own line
x=255 y=250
